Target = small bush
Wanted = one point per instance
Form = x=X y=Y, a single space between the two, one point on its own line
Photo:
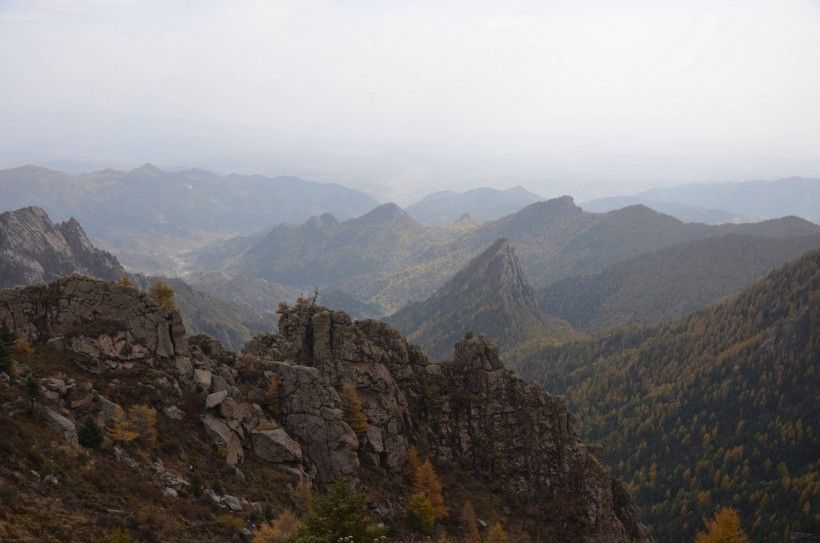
x=163 y=294
x=89 y=434
x=216 y=486
x=196 y=486
x=279 y=530
x=118 y=535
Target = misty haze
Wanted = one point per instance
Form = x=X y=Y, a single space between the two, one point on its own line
x=309 y=271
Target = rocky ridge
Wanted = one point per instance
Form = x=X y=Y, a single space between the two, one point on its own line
x=490 y=296
x=279 y=402
x=34 y=250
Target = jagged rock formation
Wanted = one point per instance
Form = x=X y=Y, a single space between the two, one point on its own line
x=490 y=296
x=35 y=250
x=280 y=403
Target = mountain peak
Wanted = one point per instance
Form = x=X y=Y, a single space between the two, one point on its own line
x=465 y=221
x=147 y=169
x=386 y=212
x=489 y=296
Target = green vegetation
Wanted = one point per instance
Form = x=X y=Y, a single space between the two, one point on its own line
x=338 y=514
x=669 y=283
x=7 y=340
x=89 y=434
x=715 y=409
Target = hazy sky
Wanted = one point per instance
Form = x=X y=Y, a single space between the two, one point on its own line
x=405 y=97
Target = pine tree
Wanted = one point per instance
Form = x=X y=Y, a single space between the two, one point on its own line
x=33 y=391
x=724 y=528
x=7 y=340
x=341 y=513
x=353 y=410
x=89 y=434
x=469 y=524
x=413 y=466
x=430 y=485
x=420 y=514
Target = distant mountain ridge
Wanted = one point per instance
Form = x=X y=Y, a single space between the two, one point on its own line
x=138 y=210
x=482 y=204
x=490 y=296
x=671 y=282
x=387 y=258
x=797 y=196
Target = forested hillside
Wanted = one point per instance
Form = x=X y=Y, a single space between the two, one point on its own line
x=669 y=283
x=719 y=408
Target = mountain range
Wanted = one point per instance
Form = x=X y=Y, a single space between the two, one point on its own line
x=724 y=202
x=482 y=204
x=146 y=214
x=719 y=407
x=388 y=259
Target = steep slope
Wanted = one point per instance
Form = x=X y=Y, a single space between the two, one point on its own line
x=498 y=441
x=490 y=296
x=671 y=282
x=719 y=408
x=767 y=199
x=146 y=209
x=483 y=204
x=35 y=250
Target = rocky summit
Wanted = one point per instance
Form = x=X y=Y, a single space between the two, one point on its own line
x=34 y=250
x=280 y=414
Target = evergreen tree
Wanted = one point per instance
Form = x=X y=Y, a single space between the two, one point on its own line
x=420 y=514
x=341 y=513
x=33 y=391
x=429 y=484
x=7 y=340
x=89 y=434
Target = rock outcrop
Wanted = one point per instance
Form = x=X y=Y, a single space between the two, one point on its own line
x=35 y=250
x=281 y=402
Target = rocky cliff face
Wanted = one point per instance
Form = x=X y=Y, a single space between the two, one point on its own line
x=490 y=296
x=280 y=403
x=35 y=250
